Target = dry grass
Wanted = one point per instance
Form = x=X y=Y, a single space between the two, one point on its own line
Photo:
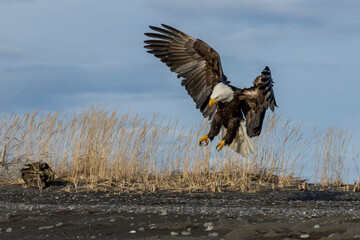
x=356 y=160
x=126 y=151
x=330 y=154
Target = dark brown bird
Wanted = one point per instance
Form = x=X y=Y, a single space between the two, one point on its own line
x=202 y=75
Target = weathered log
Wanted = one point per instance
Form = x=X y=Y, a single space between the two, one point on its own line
x=37 y=174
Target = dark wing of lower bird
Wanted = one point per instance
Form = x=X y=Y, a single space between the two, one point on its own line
x=192 y=59
x=256 y=100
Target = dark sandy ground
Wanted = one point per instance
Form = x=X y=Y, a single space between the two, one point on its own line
x=25 y=213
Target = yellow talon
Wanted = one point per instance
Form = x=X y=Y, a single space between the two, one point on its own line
x=204 y=138
x=220 y=145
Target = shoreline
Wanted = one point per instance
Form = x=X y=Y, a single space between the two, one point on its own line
x=272 y=214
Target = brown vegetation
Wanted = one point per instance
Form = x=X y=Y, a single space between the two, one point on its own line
x=129 y=152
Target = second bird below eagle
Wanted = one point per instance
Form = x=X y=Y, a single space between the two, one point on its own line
x=202 y=75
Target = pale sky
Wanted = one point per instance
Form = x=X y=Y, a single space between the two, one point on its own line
x=64 y=55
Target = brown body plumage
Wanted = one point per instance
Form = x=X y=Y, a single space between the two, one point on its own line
x=202 y=75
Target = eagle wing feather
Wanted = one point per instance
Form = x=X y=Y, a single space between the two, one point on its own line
x=256 y=100
x=192 y=59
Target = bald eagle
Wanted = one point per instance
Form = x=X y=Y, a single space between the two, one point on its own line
x=202 y=75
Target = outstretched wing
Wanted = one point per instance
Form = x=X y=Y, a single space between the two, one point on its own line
x=256 y=100
x=192 y=59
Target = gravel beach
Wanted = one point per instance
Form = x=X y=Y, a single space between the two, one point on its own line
x=27 y=213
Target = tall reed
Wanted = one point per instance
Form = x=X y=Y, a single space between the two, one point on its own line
x=128 y=151
x=330 y=154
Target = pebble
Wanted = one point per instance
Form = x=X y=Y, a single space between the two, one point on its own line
x=185 y=233
x=132 y=231
x=164 y=212
x=9 y=230
x=174 y=233
x=208 y=226
x=141 y=229
x=304 y=236
x=317 y=226
x=113 y=220
x=93 y=237
x=46 y=227
x=213 y=234
x=59 y=224
x=23 y=227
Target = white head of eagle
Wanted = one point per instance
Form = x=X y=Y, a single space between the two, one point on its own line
x=221 y=93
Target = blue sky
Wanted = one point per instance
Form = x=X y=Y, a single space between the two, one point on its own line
x=64 y=55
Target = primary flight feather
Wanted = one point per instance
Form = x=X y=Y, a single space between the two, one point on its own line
x=202 y=75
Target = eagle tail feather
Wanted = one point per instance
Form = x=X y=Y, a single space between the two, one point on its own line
x=242 y=143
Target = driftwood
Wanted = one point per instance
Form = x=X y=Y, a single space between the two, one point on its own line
x=36 y=174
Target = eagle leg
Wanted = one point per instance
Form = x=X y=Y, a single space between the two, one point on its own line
x=220 y=145
x=204 y=139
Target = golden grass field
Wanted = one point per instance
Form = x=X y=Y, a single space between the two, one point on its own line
x=104 y=147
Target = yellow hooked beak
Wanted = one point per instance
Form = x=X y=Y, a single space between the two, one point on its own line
x=212 y=102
